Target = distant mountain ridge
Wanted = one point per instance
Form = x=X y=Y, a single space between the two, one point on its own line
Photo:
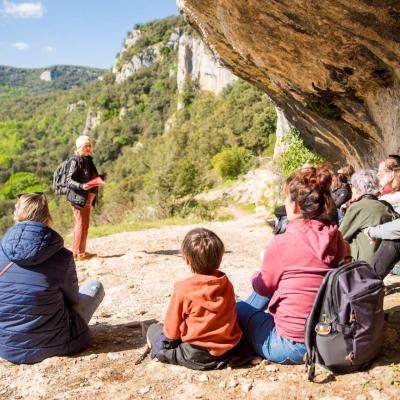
x=35 y=81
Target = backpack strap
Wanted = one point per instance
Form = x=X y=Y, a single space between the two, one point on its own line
x=310 y=365
x=6 y=268
x=395 y=214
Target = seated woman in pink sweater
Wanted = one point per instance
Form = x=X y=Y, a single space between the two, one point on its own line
x=295 y=263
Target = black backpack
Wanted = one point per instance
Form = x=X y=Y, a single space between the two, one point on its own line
x=60 y=176
x=344 y=330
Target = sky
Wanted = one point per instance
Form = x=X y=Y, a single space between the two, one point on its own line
x=75 y=32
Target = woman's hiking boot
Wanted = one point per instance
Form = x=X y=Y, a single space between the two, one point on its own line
x=84 y=256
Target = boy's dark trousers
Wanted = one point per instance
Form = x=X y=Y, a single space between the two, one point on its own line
x=181 y=353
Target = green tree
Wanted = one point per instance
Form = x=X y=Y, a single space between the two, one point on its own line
x=230 y=163
x=186 y=178
x=296 y=154
x=21 y=182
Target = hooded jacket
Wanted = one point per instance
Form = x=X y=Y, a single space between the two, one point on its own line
x=37 y=320
x=292 y=271
x=202 y=312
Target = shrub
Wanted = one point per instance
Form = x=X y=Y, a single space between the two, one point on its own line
x=297 y=154
x=269 y=151
x=232 y=162
x=186 y=178
x=21 y=182
x=6 y=215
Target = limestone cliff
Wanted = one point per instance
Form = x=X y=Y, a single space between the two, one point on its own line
x=197 y=62
x=332 y=67
x=144 y=58
x=194 y=61
x=46 y=76
x=282 y=127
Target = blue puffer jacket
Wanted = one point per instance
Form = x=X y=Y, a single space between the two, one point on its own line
x=37 y=320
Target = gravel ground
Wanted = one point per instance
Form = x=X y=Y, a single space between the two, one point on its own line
x=138 y=271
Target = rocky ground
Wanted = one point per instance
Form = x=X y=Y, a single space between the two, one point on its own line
x=138 y=270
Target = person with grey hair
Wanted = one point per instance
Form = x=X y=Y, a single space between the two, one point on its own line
x=365 y=211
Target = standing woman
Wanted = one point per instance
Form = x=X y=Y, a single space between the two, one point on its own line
x=43 y=312
x=80 y=195
x=273 y=317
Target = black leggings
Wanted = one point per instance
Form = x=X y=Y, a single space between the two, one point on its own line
x=386 y=257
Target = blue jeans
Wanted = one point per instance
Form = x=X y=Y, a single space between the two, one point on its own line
x=91 y=294
x=259 y=330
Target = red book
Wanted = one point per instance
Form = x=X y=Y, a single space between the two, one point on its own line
x=95 y=182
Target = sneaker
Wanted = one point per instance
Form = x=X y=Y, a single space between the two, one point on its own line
x=84 y=256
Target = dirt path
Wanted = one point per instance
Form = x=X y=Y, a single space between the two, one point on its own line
x=138 y=270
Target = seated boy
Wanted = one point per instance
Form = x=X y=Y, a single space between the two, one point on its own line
x=200 y=330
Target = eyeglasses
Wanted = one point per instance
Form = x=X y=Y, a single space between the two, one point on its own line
x=30 y=193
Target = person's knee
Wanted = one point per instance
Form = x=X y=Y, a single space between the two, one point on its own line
x=100 y=292
x=244 y=311
x=240 y=307
x=93 y=288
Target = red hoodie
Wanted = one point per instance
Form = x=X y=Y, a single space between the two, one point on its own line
x=202 y=311
x=294 y=266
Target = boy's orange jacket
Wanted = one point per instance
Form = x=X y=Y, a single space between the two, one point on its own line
x=202 y=312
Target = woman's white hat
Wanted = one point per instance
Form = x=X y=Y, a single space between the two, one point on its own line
x=81 y=141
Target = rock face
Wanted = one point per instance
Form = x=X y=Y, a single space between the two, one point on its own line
x=92 y=121
x=332 y=67
x=197 y=62
x=46 y=76
x=143 y=59
x=282 y=126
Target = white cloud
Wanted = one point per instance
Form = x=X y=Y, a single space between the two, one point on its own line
x=20 y=45
x=23 y=10
x=48 y=49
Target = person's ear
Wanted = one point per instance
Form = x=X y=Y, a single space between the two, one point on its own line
x=295 y=207
x=186 y=259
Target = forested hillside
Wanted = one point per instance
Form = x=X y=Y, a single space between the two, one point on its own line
x=156 y=156
x=35 y=81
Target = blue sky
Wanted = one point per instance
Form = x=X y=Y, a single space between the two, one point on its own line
x=40 y=33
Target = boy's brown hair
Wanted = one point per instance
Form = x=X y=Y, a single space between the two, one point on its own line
x=204 y=251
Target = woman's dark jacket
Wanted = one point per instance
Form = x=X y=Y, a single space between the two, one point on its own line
x=341 y=195
x=37 y=293
x=81 y=170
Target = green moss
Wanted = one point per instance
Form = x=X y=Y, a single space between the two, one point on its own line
x=324 y=107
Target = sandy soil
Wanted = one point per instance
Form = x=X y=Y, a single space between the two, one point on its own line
x=138 y=270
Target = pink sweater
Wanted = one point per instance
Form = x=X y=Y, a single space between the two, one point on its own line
x=294 y=266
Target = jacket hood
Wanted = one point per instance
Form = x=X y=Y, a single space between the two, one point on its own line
x=322 y=237
x=30 y=243
x=208 y=291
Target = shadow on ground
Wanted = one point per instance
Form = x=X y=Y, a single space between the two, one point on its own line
x=112 y=255
x=168 y=252
x=163 y=252
x=108 y=338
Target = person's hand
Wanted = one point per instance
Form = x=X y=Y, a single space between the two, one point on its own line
x=370 y=239
x=85 y=186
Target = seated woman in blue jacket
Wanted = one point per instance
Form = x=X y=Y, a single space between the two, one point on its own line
x=43 y=313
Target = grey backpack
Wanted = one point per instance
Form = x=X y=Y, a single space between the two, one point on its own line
x=344 y=330
x=60 y=176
